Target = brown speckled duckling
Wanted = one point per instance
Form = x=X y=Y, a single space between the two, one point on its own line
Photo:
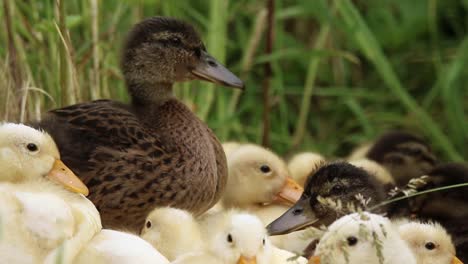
x=404 y=155
x=154 y=151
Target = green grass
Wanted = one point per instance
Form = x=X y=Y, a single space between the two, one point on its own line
x=343 y=71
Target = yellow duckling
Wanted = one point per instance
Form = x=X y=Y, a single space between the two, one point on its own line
x=362 y=238
x=44 y=216
x=304 y=164
x=173 y=232
x=430 y=243
x=234 y=237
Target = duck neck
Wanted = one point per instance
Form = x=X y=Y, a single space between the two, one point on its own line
x=150 y=93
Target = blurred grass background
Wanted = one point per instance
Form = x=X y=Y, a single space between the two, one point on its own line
x=342 y=71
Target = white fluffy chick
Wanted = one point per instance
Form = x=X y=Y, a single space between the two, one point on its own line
x=304 y=164
x=430 y=243
x=116 y=247
x=362 y=238
x=44 y=216
x=173 y=232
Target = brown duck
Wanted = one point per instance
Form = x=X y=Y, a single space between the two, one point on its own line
x=154 y=151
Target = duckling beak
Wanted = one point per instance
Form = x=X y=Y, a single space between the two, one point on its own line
x=314 y=260
x=296 y=218
x=290 y=193
x=209 y=69
x=456 y=260
x=245 y=260
x=64 y=176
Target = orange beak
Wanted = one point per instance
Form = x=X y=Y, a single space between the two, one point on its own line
x=63 y=175
x=456 y=260
x=314 y=260
x=244 y=260
x=290 y=193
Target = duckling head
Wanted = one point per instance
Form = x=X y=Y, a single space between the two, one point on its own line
x=28 y=154
x=333 y=184
x=429 y=242
x=362 y=238
x=405 y=156
x=161 y=50
x=258 y=176
x=172 y=232
x=236 y=237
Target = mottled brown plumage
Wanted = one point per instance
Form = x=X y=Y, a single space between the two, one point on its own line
x=155 y=151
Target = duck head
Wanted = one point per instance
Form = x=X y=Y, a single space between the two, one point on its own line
x=336 y=181
x=404 y=155
x=27 y=154
x=160 y=51
x=429 y=242
x=258 y=176
x=236 y=237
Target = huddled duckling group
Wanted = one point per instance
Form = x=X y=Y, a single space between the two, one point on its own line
x=167 y=191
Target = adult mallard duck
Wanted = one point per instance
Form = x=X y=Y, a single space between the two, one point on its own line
x=153 y=151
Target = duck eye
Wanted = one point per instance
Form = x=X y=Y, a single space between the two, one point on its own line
x=337 y=189
x=265 y=168
x=148 y=224
x=176 y=41
x=430 y=245
x=352 y=240
x=229 y=238
x=263 y=241
x=32 y=147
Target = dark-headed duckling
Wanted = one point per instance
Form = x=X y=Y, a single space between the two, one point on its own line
x=154 y=151
x=336 y=181
x=404 y=155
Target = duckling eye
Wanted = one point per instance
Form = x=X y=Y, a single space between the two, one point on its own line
x=430 y=245
x=176 y=41
x=337 y=189
x=229 y=238
x=32 y=147
x=263 y=241
x=148 y=224
x=265 y=169
x=352 y=240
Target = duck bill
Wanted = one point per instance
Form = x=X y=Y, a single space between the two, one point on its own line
x=290 y=193
x=209 y=69
x=244 y=260
x=456 y=260
x=296 y=218
x=314 y=260
x=61 y=174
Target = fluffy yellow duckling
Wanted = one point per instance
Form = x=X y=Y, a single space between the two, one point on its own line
x=116 y=247
x=43 y=215
x=233 y=237
x=374 y=169
x=259 y=182
x=258 y=176
x=230 y=147
x=173 y=232
x=430 y=243
x=362 y=238
x=303 y=164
